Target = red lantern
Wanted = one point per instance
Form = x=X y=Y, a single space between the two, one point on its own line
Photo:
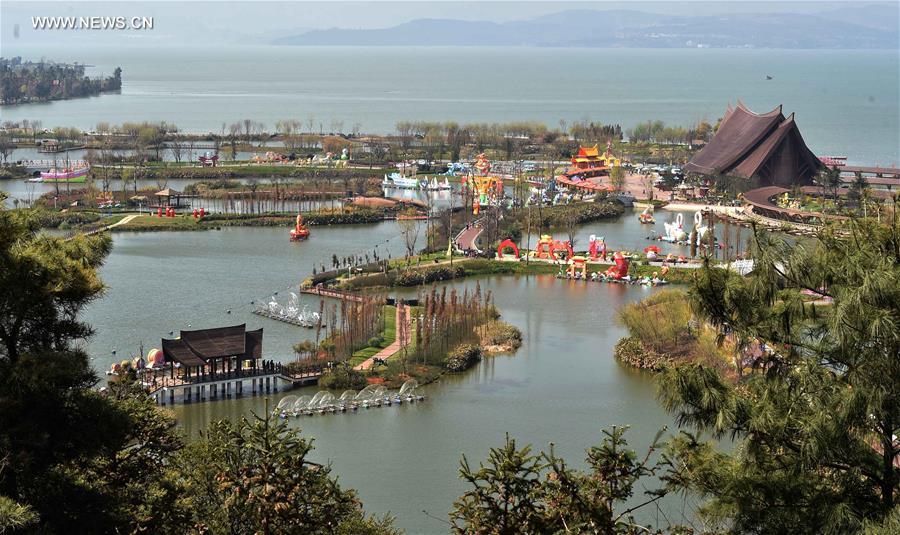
x=159 y=212
x=202 y=211
x=195 y=213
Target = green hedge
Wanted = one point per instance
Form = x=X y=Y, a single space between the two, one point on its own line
x=416 y=277
x=312 y=219
x=65 y=220
x=579 y=213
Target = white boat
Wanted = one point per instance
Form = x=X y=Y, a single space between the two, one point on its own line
x=396 y=180
x=439 y=186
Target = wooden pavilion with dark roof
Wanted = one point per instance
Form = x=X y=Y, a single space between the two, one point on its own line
x=171 y=198
x=767 y=147
x=208 y=353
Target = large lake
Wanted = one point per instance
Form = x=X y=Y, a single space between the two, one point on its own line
x=846 y=101
x=563 y=385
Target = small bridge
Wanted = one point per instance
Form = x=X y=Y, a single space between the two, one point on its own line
x=335 y=294
x=466 y=239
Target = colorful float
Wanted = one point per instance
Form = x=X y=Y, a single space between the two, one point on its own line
x=486 y=188
x=619 y=270
x=578 y=268
x=597 y=248
x=675 y=230
x=503 y=255
x=549 y=249
x=270 y=157
x=300 y=231
x=155 y=358
x=652 y=252
x=699 y=227
x=646 y=217
x=208 y=160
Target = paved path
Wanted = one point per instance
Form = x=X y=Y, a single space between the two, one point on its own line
x=389 y=350
x=122 y=221
x=465 y=240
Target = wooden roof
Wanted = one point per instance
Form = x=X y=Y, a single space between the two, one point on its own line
x=197 y=347
x=168 y=192
x=768 y=146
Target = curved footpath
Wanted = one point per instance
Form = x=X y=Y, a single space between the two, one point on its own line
x=390 y=350
x=465 y=240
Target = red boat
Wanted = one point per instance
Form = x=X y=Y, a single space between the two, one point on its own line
x=299 y=232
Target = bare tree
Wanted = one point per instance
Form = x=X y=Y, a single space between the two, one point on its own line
x=6 y=147
x=176 y=147
x=570 y=221
x=190 y=148
x=234 y=131
x=409 y=229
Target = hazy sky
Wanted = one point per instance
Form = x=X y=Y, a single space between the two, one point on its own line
x=261 y=21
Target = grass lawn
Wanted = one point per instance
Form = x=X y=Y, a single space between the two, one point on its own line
x=147 y=222
x=388 y=336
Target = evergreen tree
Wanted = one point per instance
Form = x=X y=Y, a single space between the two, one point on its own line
x=859 y=192
x=71 y=459
x=816 y=419
x=254 y=476
x=520 y=492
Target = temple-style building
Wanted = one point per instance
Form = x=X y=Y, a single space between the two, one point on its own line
x=588 y=162
x=216 y=351
x=214 y=362
x=766 y=147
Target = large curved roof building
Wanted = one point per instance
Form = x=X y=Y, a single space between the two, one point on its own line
x=767 y=147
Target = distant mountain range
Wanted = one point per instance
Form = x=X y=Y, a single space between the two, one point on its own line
x=868 y=26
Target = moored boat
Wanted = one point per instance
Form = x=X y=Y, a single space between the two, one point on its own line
x=396 y=180
x=70 y=174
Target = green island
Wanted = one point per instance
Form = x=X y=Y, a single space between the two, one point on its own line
x=26 y=81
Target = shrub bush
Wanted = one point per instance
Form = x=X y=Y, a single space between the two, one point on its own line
x=631 y=351
x=500 y=333
x=660 y=322
x=342 y=377
x=579 y=213
x=462 y=358
x=416 y=277
x=49 y=219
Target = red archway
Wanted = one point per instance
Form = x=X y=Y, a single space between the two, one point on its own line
x=507 y=244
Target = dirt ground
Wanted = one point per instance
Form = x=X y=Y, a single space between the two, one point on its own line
x=637 y=185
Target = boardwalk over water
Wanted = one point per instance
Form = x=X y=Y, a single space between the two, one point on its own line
x=335 y=294
x=237 y=383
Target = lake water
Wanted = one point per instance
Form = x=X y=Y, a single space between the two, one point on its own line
x=562 y=386
x=846 y=101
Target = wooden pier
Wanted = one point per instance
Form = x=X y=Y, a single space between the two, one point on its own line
x=335 y=294
x=177 y=390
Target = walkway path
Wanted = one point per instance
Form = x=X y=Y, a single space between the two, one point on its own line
x=122 y=221
x=465 y=240
x=125 y=220
x=389 y=350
